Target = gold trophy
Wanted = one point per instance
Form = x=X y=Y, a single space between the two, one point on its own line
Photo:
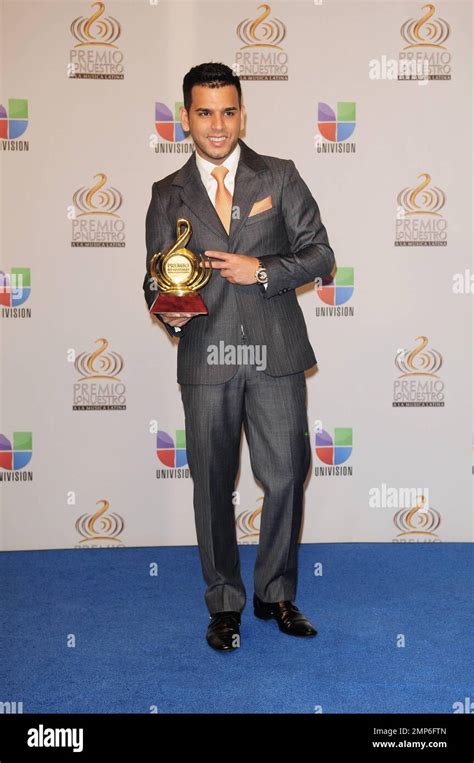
x=178 y=274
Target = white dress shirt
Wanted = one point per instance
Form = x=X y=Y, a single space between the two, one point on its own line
x=210 y=183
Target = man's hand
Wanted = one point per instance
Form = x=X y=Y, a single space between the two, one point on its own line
x=237 y=268
x=177 y=319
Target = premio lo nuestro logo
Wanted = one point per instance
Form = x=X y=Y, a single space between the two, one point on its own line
x=418 y=385
x=15 y=289
x=168 y=127
x=335 y=293
x=335 y=127
x=248 y=524
x=425 y=39
x=333 y=452
x=99 y=387
x=172 y=454
x=15 y=454
x=419 y=219
x=102 y=529
x=96 y=54
x=94 y=215
x=417 y=524
x=261 y=57
x=13 y=123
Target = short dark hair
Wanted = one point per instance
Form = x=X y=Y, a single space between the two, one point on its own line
x=211 y=75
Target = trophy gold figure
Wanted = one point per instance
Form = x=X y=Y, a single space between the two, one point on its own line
x=178 y=274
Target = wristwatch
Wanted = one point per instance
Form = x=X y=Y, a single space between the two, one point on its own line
x=261 y=275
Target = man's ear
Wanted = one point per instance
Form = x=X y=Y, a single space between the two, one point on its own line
x=243 y=117
x=183 y=115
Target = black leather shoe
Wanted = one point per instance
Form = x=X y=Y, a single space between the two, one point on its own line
x=289 y=618
x=223 y=631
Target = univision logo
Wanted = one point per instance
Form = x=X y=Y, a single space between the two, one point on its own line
x=168 y=125
x=333 y=452
x=169 y=128
x=13 y=123
x=335 y=127
x=172 y=453
x=15 y=289
x=335 y=293
x=15 y=454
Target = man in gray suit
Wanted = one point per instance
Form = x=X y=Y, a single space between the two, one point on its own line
x=256 y=219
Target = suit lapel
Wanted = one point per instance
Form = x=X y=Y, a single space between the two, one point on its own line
x=194 y=195
x=248 y=180
x=247 y=185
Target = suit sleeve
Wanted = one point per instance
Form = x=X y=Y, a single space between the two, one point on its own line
x=310 y=253
x=156 y=233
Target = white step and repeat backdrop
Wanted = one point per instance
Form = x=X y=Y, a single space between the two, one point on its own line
x=372 y=100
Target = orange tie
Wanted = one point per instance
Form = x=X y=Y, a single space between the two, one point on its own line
x=223 y=202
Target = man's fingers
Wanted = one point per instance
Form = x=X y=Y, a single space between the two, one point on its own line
x=216 y=265
x=220 y=255
x=179 y=320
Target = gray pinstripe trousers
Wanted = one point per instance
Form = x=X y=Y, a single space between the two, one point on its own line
x=273 y=412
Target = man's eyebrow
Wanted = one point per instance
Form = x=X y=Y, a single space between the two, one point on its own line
x=205 y=108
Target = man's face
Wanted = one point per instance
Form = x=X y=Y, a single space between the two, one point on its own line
x=214 y=120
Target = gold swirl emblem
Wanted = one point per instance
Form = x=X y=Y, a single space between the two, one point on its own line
x=419 y=362
x=177 y=270
x=259 y=33
x=417 y=520
x=425 y=32
x=98 y=200
x=422 y=200
x=246 y=523
x=98 y=526
x=96 y=30
x=99 y=364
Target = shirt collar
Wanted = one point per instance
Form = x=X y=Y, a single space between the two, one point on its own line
x=205 y=167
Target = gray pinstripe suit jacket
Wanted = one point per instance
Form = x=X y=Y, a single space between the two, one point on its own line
x=289 y=238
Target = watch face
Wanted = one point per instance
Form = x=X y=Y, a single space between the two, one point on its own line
x=262 y=275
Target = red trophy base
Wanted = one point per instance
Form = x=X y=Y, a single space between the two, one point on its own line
x=167 y=304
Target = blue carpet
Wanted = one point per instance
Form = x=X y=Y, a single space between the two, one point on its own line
x=139 y=639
